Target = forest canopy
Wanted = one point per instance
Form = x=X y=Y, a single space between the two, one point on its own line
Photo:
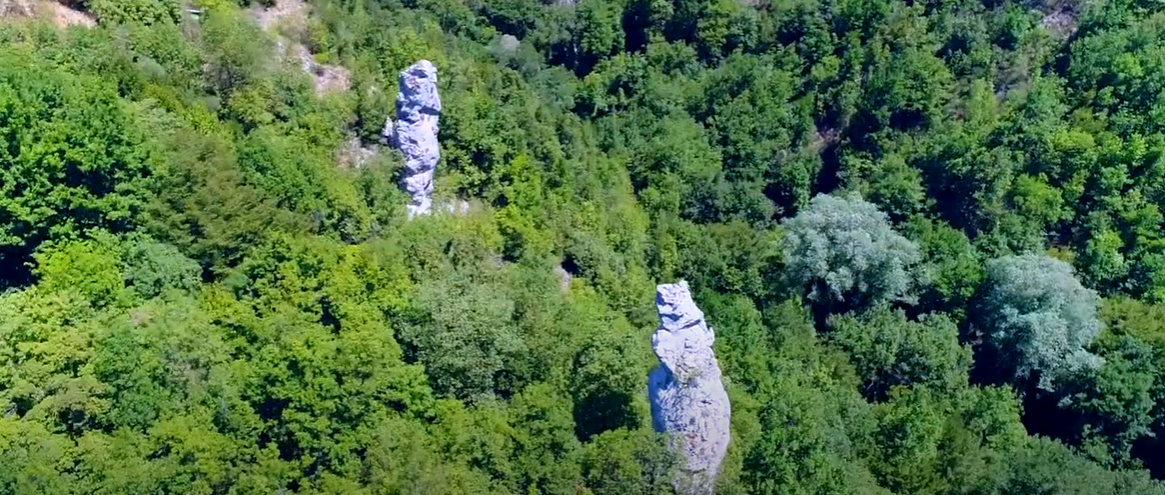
x=928 y=236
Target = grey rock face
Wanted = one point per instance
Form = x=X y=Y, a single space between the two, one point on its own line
x=418 y=109
x=509 y=43
x=688 y=399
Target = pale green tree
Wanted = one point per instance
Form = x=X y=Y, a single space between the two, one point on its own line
x=844 y=249
x=1038 y=318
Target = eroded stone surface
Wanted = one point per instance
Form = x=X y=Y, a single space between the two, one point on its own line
x=418 y=110
x=687 y=396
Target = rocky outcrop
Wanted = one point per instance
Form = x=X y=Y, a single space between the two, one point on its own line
x=61 y=13
x=687 y=397
x=291 y=16
x=418 y=108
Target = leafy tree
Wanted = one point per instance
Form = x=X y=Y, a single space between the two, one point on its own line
x=844 y=250
x=235 y=51
x=909 y=431
x=1114 y=405
x=632 y=462
x=750 y=110
x=1038 y=319
x=75 y=160
x=904 y=94
x=952 y=266
x=464 y=335
x=606 y=385
x=149 y=373
x=598 y=34
x=207 y=207
x=1051 y=467
x=674 y=167
x=795 y=455
x=90 y=268
x=895 y=187
x=729 y=258
x=152 y=268
x=889 y=350
x=546 y=450
x=405 y=459
x=135 y=11
x=48 y=341
x=30 y=454
x=743 y=344
x=1102 y=261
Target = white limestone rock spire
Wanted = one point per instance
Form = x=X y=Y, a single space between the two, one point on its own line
x=418 y=110
x=688 y=399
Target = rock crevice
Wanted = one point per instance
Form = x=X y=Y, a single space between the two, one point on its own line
x=688 y=399
x=418 y=110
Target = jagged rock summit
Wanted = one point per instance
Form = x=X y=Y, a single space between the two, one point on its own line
x=688 y=399
x=418 y=110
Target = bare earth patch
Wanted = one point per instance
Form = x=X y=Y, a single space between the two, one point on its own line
x=825 y=137
x=60 y=15
x=64 y=16
x=290 y=16
x=354 y=153
x=1061 y=21
x=291 y=11
x=287 y=20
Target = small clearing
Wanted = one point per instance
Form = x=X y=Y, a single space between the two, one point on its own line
x=59 y=14
x=63 y=16
x=1061 y=20
x=354 y=153
x=288 y=19
x=283 y=12
x=824 y=138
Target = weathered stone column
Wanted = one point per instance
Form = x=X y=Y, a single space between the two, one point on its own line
x=418 y=110
x=688 y=399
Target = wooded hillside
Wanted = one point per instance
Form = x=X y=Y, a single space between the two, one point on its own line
x=928 y=235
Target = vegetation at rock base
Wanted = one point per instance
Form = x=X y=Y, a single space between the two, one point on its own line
x=928 y=237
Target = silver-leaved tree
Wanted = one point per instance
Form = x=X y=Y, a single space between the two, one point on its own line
x=843 y=249
x=1038 y=318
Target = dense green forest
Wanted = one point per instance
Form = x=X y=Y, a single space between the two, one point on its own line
x=929 y=236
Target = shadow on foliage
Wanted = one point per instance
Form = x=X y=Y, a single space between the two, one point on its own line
x=603 y=410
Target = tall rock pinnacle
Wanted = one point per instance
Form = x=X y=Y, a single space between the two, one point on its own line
x=687 y=398
x=418 y=109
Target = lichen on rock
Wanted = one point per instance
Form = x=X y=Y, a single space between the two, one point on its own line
x=688 y=399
